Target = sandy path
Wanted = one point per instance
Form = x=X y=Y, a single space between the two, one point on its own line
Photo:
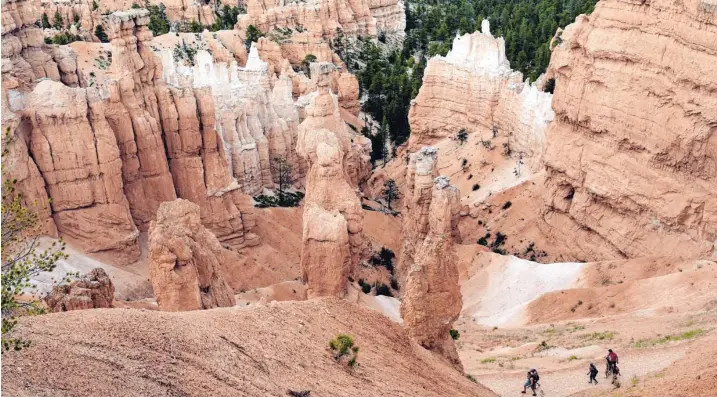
x=568 y=382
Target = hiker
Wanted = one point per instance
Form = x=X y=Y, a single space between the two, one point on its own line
x=611 y=360
x=592 y=371
x=531 y=381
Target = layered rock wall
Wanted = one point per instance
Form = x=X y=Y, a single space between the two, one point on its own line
x=320 y=17
x=75 y=150
x=632 y=153
x=473 y=88
x=25 y=57
x=432 y=298
x=186 y=260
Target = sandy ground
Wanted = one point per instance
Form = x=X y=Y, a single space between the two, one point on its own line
x=641 y=308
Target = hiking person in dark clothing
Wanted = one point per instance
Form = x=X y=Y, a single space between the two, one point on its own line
x=531 y=381
x=592 y=371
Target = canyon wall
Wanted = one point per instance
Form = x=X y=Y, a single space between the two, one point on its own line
x=136 y=135
x=631 y=157
x=432 y=298
x=473 y=88
x=322 y=18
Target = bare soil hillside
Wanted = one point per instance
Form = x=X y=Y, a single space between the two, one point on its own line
x=262 y=350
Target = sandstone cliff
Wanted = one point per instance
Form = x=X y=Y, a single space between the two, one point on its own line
x=473 y=88
x=93 y=290
x=186 y=260
x=631 y=155
x=142 y=140
x=322 y=18
x=432 y=297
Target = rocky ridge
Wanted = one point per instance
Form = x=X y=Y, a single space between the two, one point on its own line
x=159 y=124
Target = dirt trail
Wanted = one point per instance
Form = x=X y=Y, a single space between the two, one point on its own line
x=568 y=382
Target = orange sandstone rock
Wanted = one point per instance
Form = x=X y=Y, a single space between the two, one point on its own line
x=186 y=268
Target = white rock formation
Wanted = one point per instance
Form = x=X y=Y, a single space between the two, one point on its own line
x=473 y=87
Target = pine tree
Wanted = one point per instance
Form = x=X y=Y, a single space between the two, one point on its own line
x=45 y=21
x=101 y=35
x=21 y=258
x=391 y=192
x=57 y=21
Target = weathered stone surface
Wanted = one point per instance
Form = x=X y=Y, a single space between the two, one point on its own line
x=325 y=255
x=77 y=155
x=322 y=112
x=92 y=291
x=473 y=88
x=330 y=253
x=418 y=192
x=320 y=17
x=24 y=56
x=631 y=154
x=186 y=268
x=432 y=297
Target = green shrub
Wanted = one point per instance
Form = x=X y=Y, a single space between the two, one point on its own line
x=343 y=346
x=455 y=335
x=384 y=258
x=462 y=136
x=158 y=22
x=488 y=360
x=549 y=86
x=366 y=288
x=606 y=335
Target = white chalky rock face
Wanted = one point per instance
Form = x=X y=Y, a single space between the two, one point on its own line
x=474 y=88
x=256 y=123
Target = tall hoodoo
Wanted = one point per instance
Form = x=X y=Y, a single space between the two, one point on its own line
x=473 y=88
x=432 y=297
x=422 y=170
x=333 y=219
x=186 y=260
x=631 y=156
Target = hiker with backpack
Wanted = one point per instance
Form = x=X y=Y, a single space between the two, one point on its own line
x=531 y=381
